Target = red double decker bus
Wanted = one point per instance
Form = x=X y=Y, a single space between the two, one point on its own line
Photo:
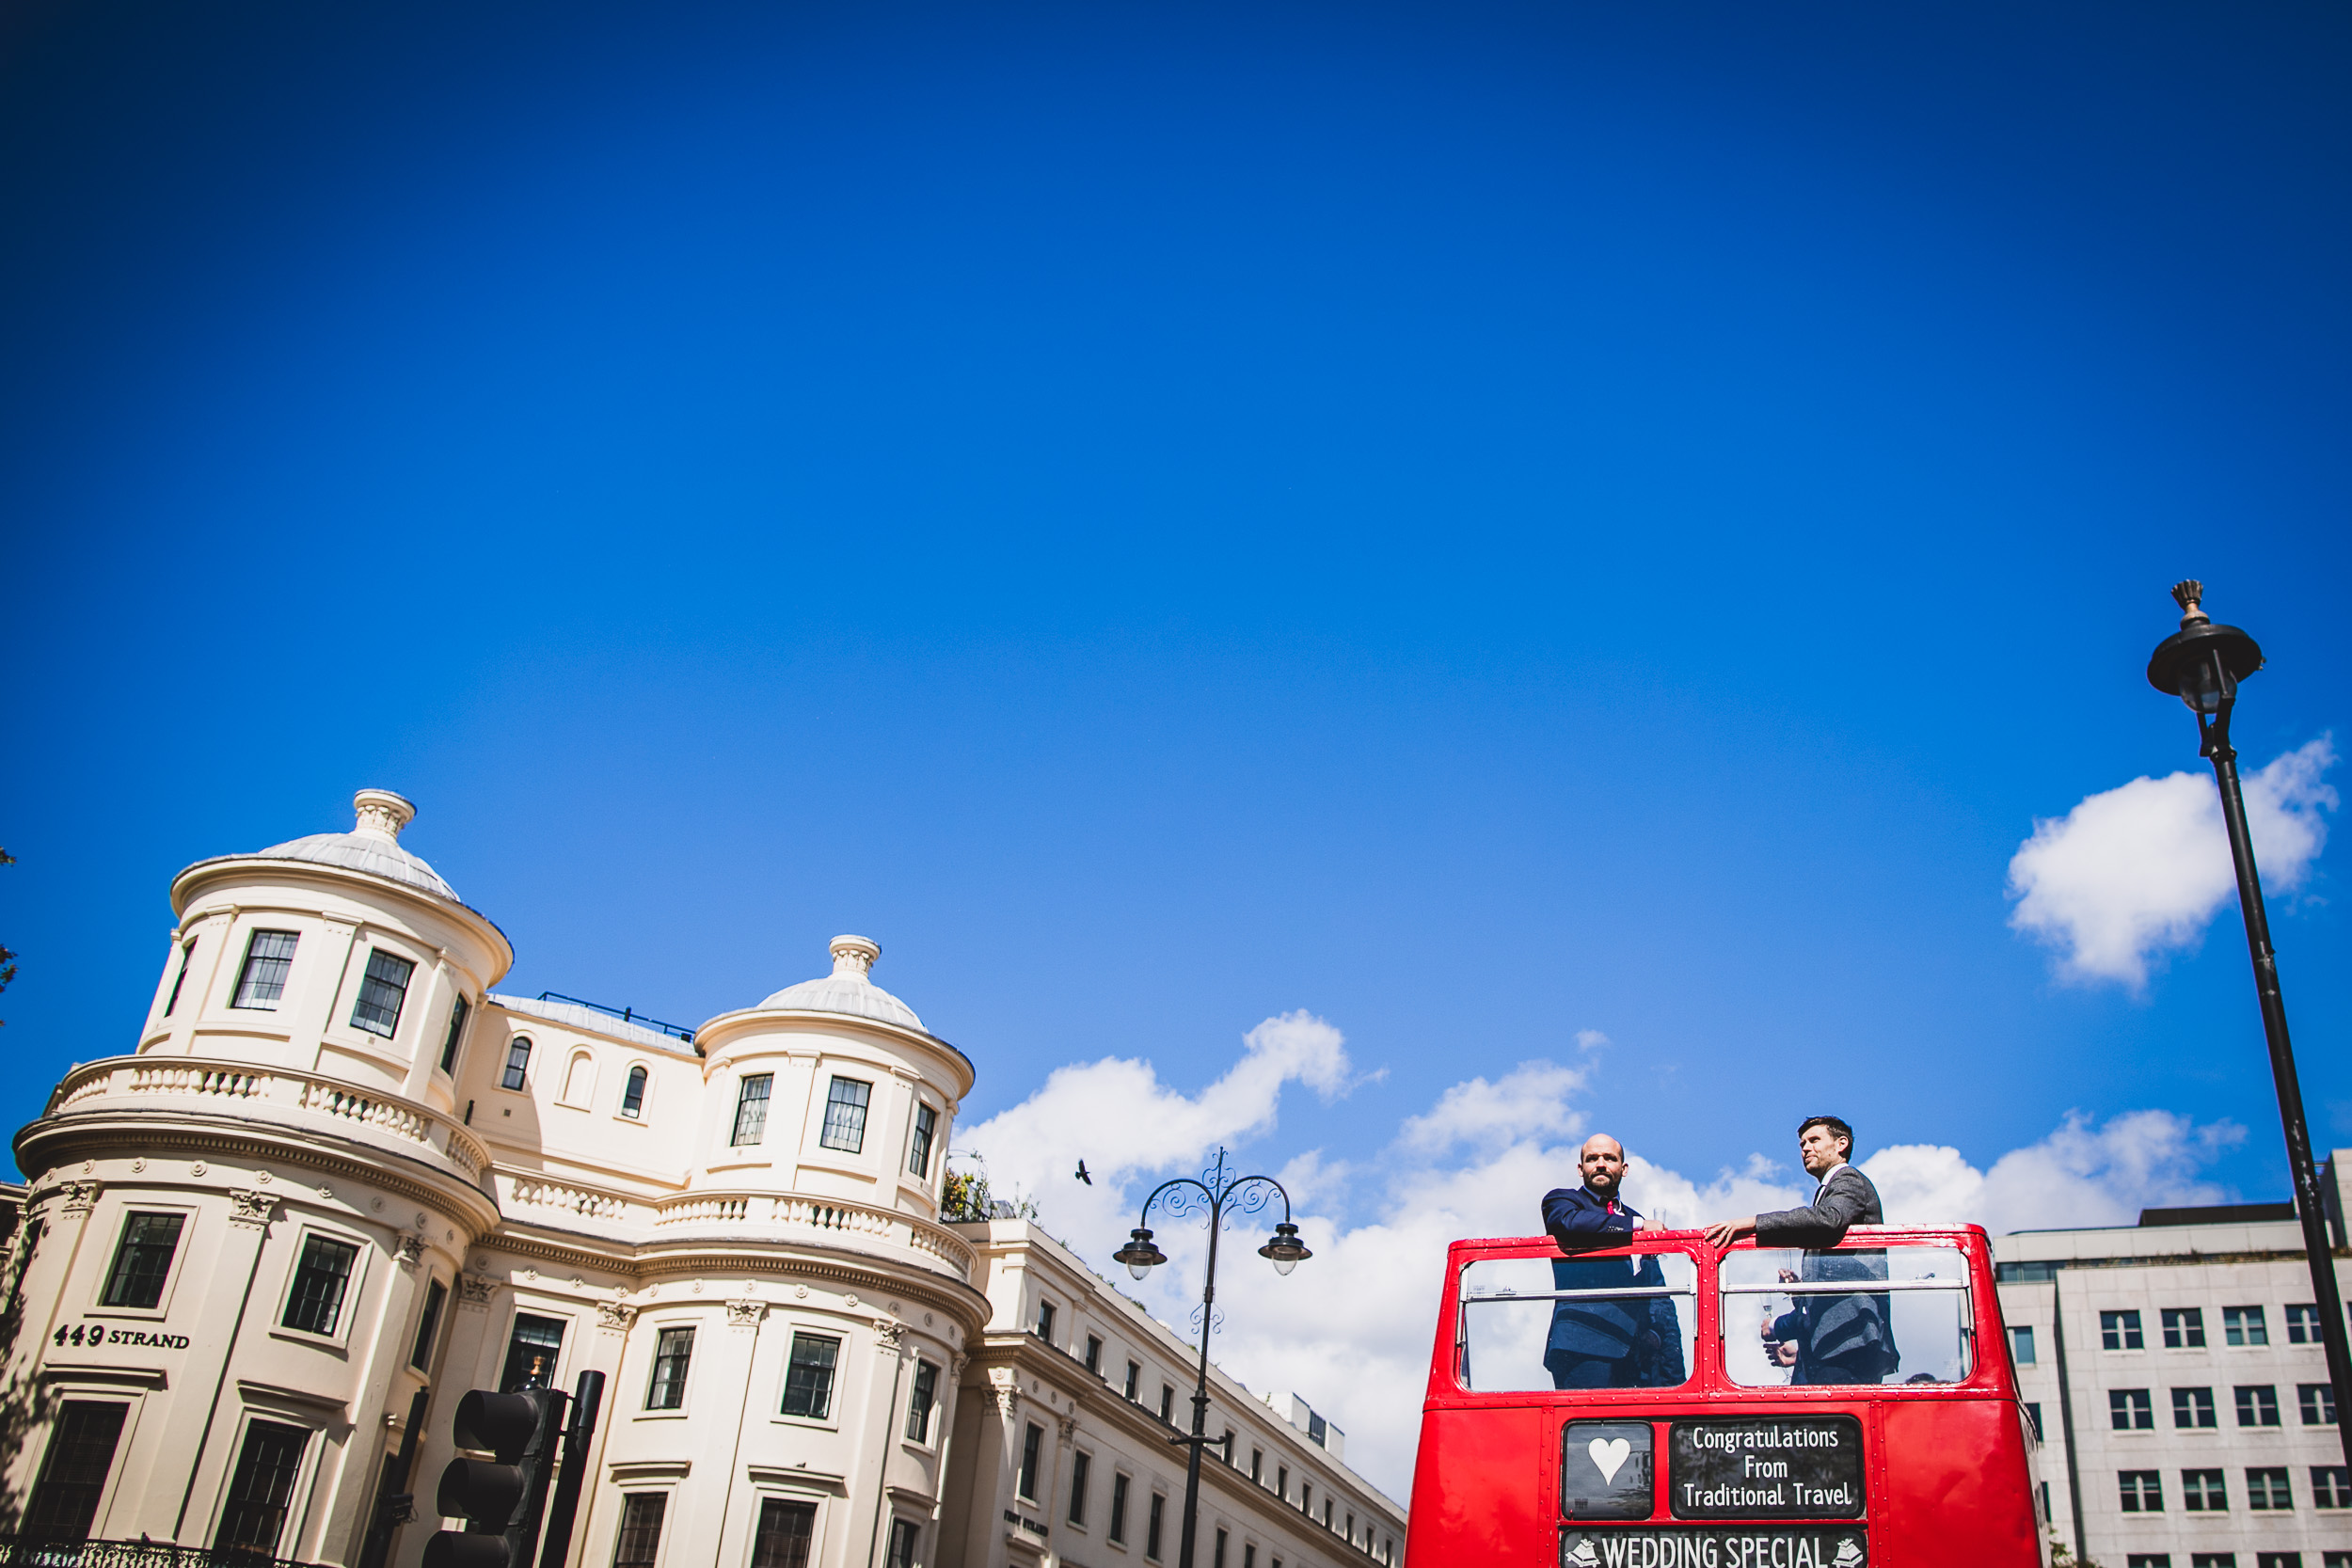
x=1663 y=1404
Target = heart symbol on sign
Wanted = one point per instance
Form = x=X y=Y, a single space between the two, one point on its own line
x=1608 y=1457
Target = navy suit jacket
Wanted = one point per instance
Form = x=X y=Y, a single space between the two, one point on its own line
x=1578 y=1218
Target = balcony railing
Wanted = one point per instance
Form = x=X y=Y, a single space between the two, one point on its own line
x=275 y=1094
x=18 y=1551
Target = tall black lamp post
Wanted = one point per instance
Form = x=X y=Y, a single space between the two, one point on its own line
x=2201 y=664
x=1220 y=1196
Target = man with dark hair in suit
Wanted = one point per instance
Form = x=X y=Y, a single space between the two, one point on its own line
x=1835 y=1336
x=1601 y=1341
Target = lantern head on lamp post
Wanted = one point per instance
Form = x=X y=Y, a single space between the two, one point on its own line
x=1286 y=1251
x=2201 y=664
x=1140 y=1255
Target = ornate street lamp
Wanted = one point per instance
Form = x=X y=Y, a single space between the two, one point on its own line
x=1221 y=1197
x=2201 y=664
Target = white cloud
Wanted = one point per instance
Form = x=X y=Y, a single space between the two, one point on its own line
x=1351 y=1330
x=2136 y=871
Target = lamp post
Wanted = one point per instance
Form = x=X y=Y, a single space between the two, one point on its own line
x=2201 y=664
x=1220 y=1196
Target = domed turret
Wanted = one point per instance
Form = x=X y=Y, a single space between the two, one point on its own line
x=372 y=845
x=846 y=990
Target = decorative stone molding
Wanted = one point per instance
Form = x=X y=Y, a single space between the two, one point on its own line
x=1068 y=1425
x=888 y=1333
x=473 y=1291
x=411 y=1248
x=79 y=1197
x=250 y=1208
x=615 y=1315
x=1006 y=1385
x=746 y=1313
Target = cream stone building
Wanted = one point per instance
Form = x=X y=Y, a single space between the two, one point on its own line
x=338 y=1180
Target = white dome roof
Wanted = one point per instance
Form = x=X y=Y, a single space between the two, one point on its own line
x=846 y=990
x=372 y=846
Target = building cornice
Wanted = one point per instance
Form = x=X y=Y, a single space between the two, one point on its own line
x=54 y=1141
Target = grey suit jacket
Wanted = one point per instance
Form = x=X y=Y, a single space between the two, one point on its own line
x=1845 y=1199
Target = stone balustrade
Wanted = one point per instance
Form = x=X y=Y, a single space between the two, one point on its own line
x=284 y=1095
x=838 y=1220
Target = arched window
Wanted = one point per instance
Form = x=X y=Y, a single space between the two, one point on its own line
x=517 y=1072
x=633 y=1093
x=580 y=1080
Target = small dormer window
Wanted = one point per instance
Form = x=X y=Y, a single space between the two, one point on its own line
x=845 y=1115
x=633 y=1094
x=268 y=959
x=381 y=993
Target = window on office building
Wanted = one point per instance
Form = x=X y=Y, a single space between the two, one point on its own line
x=784 y=1534
x=2131 y=1410
x=1032 y=1450
x=2317 y=1402
x=2184 y=1327
x=919 y=1149
x=315 y=1304
x=641 y=1529
x=2332 y=1487
x=263 y=1484
x=1045 y=1320
x=1094 y=1355
x=1217 y=1556
x=673 y=1353
x=2119 y=1331
x=1257 y=1466
x=2277 y=1560
x=428 y=1325
x=903 y=1535
x=531 y=1350
x=1118 y=1508
x=2244 y=1325
x=1080 y=1463
x=268 y=959
x=1135 y=1379
x=2203 y=1492
x=2303 y=1325
x=142 y=1260
x=2193 y=1407
x=2142 y=1491
x=2267 y=1487
x=382 y=990
x=809 y=1376
x=633 y=1094
x=2212 y=1559
x=1168 y=1404
x=922 y=1400
x=1282 y=1481
x=516 y=1075
x=2021 y=1345
x=2257 y=1405
x=2148 y=1560
x=751 y=1109
x=74 y=1471
x=1155 y=1514
x=845 y=1115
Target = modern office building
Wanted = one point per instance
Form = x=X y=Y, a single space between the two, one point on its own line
x=2175 y=1371
x=338 y=1180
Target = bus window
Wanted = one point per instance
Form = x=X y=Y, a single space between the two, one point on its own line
x=1610 y=1322
x=1792 y=1316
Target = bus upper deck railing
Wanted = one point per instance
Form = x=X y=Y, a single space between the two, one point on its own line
x=23 y=1551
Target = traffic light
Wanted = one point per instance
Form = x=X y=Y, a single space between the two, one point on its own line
x=499 y=1497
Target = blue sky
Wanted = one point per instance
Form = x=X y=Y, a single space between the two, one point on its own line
x=1480 y=523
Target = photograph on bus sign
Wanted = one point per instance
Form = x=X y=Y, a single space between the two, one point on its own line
x=1687 y=1546
x=1766 y=1467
